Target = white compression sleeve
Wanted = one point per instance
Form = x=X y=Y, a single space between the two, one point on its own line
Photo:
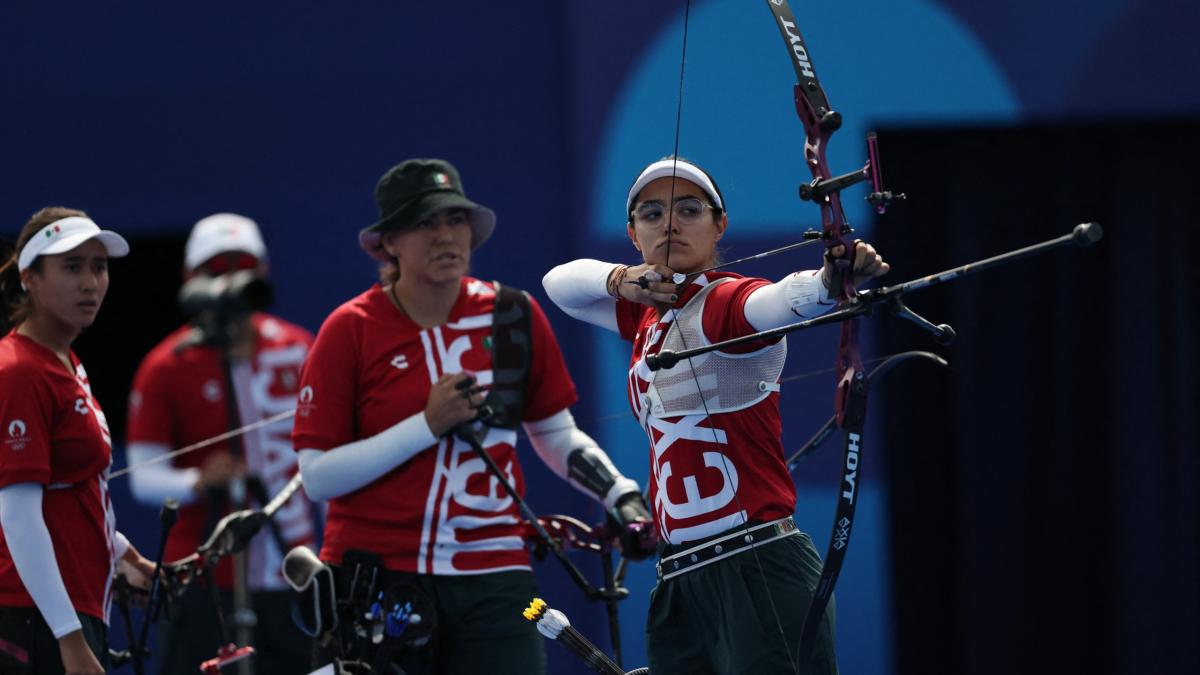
x=580 y=289
x=556 y=438
x=799 y=295
x=348 y=467
x=153 y=484
x=33 y=555
x=120 y=546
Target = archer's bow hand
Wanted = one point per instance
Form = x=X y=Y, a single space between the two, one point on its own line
x=646 y=285
x=453 y=400
x=137 y=578
x=868 y=264
x=634 y=527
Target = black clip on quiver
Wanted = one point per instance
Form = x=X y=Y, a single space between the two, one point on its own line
x=504 y=407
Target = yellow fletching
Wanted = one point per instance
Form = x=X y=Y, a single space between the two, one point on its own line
x=535 y=610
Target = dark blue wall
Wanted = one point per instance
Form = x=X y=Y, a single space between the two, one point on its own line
x=151 y=117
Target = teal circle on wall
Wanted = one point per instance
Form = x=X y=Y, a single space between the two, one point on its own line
x=881 y=63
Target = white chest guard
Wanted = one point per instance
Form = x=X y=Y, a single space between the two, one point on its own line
x=729 y=382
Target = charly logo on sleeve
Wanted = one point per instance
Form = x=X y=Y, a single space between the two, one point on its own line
x=17 y=438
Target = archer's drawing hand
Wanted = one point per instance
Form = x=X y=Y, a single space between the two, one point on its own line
x=648 y=284
x=868 y=264
x=453 y=400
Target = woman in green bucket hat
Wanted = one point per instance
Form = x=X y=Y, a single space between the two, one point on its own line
x=393 y=373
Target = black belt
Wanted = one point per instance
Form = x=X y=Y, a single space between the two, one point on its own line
x=731 y=543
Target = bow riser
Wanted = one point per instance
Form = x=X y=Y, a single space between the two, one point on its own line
x=850 y=399
x=833 y=221
x=812 y=108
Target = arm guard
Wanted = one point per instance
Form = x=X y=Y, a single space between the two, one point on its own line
x=574 y=456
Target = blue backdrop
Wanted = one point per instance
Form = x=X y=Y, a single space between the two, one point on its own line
x=151 y=116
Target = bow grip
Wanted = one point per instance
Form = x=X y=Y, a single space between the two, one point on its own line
x=839 y=278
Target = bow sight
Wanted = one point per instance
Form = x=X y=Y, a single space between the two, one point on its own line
x=819 y=188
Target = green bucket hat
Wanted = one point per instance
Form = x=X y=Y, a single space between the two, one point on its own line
x=414 y=190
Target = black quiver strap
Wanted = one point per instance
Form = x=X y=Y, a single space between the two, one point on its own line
x=512 y=355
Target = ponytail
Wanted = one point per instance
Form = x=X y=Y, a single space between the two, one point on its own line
x=14 y=301
x=10 y=289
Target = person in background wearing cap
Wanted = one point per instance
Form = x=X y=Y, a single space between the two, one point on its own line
x=59 y=548
x=177 y=399
x=393 y=372
x=704 y=619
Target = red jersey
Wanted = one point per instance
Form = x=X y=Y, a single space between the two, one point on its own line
x=441 y=512
x=178 y=398
x=55 y=434
x=708 y=473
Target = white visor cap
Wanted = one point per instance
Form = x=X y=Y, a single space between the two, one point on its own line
x=65 y=235
x=222 y=233
x=665 y=168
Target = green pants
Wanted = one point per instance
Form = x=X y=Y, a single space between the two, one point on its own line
x=480 y=628
x=721 y=618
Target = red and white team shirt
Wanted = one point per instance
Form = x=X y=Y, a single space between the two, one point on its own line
x=441 y=512
x=708 y=474
x=55 y=434
x=178 y=398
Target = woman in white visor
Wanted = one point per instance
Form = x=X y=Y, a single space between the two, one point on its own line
x=60 y=548
x=734 y=572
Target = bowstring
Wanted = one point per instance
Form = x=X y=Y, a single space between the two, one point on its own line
x=670 y=208
x=674 y=314
x=521 y=431
x=200 y=445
